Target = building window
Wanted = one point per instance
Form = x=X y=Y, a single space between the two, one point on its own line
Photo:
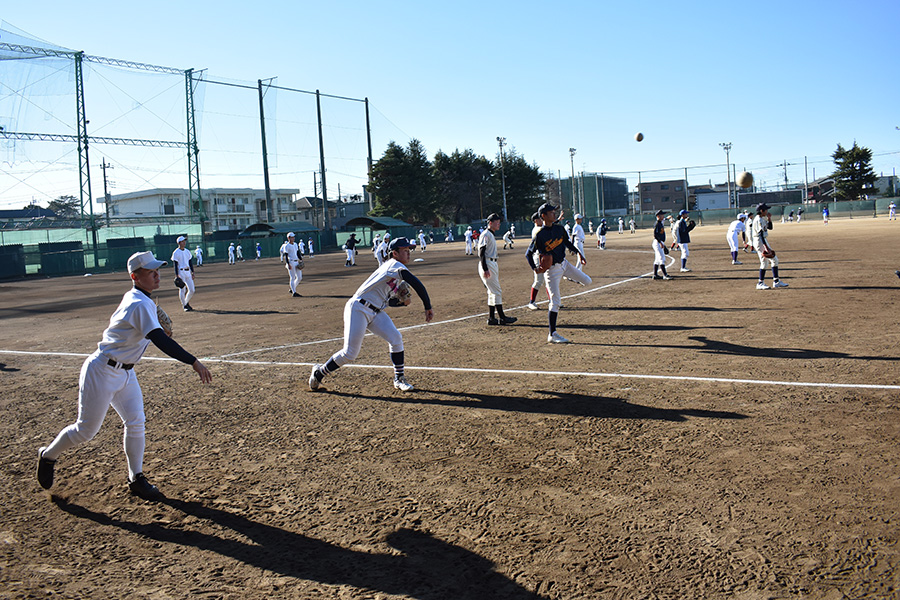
x=648 y=200
x=664 y=186
x=646 y=188
x=665 y=199
x=679 y=188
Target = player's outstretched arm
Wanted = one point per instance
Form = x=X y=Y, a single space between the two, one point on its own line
x=202 y=371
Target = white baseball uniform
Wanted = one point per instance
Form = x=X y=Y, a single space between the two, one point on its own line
x=578 y=240
x=182 y=261
x=734 y=234
x=486 y=240
x=289 y=252
x=199 y=254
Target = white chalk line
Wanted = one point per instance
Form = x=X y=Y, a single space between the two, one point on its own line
x=595 y=374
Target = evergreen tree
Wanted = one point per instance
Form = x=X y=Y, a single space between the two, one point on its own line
x=463 y=183
x=854 y=178
x=403 y=184
x=525 y=187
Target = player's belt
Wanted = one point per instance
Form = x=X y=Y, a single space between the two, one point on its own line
x=119 y=365
x=368 y=304
x=185 y=269
x=489 y=258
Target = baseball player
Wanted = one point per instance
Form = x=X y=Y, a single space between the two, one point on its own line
x=375 y=241
x=512 y=231
x=590 y=227
x=231 y=253
x=659 y=247
x=825 y=214
x=631 y=224
x=383 y=251
x=422 y=241
x=892 y=212
x=799 y=213
x=489 y=272
x=199 y=254
x=469 y=233
x=508 y=239
x=538 y=278
x=309 y=246
x=258 y=251
x=290 y=254
x=577 y=239
x=683 y=236
x=762 y=224
x=366 y=310
x=621 y=225
x=184 y=270
x=673 y=225
x=239 y=252
x=552 y=240
x=107 y=378
x=350 y=247
x=301 y=246
x=736 y=231
x=602 y=230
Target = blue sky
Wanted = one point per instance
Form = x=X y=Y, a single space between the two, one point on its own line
x=776 y=79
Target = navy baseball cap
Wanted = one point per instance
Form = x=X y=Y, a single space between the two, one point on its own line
x=762 y=206
x=493 y=217
x=535 y=216
x=401 y=242
x=660 y=212
x=545 y=208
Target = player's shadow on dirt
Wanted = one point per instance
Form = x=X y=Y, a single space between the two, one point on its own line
x=720 y=347
x=559 y=403
x=428 y=569
x=6 y=369
x=216 y=311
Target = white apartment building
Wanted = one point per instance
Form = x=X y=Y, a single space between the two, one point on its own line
x=226 y=208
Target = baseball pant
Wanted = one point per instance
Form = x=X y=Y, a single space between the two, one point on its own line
x=230 y=258
x=468 y=246
x=684 y=251
x=295 y=274
x=187 y=292
x=659 y=253
x=554 y=275
x=580 y=245
x=351 y=256
x=492 y=283
x=733 y=244
x=357 y=319
x=199 y=259
x=764 y=262
x=99 y=386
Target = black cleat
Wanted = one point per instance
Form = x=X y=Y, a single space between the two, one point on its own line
x=188 y=308
x=897 y=273
x=142 y=488
x=295 y=295
x=493 y=322
x=507 y=320
x=45 y=470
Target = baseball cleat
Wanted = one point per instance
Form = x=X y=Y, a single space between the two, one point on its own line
x=507 y=320
x=402 y=384
x=657 y=277
x=45 y=470
x=897 y=273
x=142 y=488
x=533 y=306
x=779 y=284
x=555 y=338
x=762 y=286
x=666 y=277
x=313 y=380
x=736 y=262
x=685 y=270
x=295 y=295
x=493 y=322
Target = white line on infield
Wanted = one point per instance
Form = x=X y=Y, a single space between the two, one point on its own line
x=813 y=384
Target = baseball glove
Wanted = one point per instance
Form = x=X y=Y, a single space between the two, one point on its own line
x=544 y=262
x=179 y=282
x=400 y=295
x=300 y=264
x=666 y=249
x=768 y=252
x=164 y=321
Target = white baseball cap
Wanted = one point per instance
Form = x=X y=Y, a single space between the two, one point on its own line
x=144 y=260
x=181 y=238
x=291 y=234
x=578 y=216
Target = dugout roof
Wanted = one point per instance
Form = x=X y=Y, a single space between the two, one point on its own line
x=377 y=222
x=275 y=229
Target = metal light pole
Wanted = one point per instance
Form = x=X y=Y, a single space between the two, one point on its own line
x=572 y=160
x=501 y=141
x=727 y=147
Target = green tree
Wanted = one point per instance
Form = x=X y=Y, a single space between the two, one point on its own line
x=525 y=187
x=463 y=182
x=853 y=176
x=403 y=183
x=66 y=207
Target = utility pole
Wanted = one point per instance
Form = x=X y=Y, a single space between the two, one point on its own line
x=785 y=165
x=106 y=196
x=572 y=160
x=501 y=141
x=727 y=147
x=265 y=157
x=322 y=161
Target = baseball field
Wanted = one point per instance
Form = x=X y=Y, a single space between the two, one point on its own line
x=697 y=439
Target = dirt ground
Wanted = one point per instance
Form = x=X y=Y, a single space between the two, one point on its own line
x=698 y=439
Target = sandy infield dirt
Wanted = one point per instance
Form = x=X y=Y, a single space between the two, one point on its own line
x=697 y=439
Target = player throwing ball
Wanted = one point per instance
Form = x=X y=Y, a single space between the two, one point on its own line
x=107 y=378
x=365 y=311
x=550 y=244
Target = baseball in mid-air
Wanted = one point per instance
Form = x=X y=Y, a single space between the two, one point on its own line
x=745 y=179
x=638 y=137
